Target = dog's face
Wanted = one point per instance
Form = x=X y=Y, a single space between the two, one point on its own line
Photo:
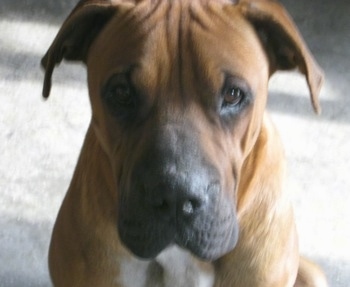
x=173 y=96
x=178 y=92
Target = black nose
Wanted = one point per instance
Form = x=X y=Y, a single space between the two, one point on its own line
x=175 y=197
x=174 y=178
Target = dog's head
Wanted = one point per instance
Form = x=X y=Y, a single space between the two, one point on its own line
x=178 y=91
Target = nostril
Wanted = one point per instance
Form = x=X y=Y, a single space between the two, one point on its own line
x=188 y=208
x=161 y=205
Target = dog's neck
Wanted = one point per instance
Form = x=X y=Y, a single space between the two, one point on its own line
x=174 y=267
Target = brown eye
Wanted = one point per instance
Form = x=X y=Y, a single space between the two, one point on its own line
x=233 y=97
x=120 y=94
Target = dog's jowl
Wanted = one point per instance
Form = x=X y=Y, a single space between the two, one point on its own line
x=179 y=180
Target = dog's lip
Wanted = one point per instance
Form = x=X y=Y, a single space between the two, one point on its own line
x=145 y=251
x=202 y=251
x=143 y=246
x=141 y=242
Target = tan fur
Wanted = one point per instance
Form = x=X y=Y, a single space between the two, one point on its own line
x=85 y=247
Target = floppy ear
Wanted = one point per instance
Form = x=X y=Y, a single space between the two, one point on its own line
x=284 y=45
x=76 y=35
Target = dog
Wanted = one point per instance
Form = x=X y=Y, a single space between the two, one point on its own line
x=179 y=180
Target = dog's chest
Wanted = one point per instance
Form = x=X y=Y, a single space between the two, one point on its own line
x=172 y=268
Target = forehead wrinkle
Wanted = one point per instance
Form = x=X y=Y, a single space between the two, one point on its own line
x=156 y=74
x=228 y=39
x=165 y=46
x=149 y=13
x=206 y=71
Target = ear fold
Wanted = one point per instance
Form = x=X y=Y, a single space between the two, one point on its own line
x=284 y=45
x=76 y=35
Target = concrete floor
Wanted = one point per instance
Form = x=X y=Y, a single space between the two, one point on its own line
x=40 y=140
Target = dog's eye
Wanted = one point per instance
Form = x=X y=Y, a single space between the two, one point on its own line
x=233 y=97
x=118 y=95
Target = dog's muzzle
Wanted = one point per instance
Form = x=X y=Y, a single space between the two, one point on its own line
x=174 y=195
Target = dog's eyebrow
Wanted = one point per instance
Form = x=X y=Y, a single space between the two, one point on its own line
x=127 y=70
x=237 y=80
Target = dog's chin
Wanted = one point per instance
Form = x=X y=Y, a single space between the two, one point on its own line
x=212 y=252
x=148 y=249
x=145 y=252
x=150 y=254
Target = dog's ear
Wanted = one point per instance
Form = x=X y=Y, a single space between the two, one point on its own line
x=76 y=35
x=283 y=43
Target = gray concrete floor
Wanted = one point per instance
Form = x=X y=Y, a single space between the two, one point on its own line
x=40 y=141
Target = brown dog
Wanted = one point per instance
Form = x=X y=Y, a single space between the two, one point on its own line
x=179 y=179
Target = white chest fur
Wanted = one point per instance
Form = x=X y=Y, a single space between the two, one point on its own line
x=174 y=267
